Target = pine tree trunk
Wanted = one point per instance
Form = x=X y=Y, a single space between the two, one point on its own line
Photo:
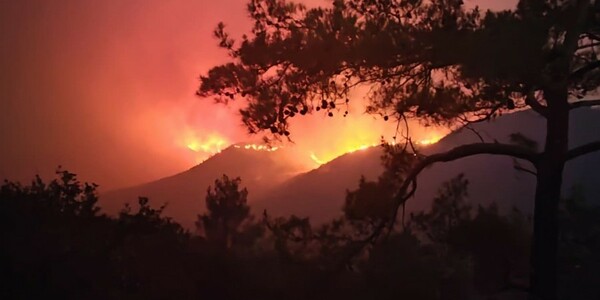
x=545 y=231
x=544 y=254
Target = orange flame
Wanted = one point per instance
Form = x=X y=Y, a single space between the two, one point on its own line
x=325 y=158
x=214 y=143
x=320 y=160
x=429 y=141
x=204 y=147
x=257 y=147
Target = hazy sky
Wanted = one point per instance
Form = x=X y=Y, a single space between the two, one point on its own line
x=106 y=89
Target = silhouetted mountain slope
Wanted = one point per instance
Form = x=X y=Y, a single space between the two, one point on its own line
x=184 y=193
x=320 y=193
x=276 y=186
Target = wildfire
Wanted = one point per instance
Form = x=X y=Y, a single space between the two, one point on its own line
x=316 y=159
x=257 y=147
x=203 y=147
x=429 y=141
x=362 y=147
x=212 y=144
x=329 y=157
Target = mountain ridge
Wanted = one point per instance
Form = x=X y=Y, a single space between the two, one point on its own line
x=319 y=193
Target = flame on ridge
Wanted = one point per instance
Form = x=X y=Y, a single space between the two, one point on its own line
x=203 y=146
x=214 y=144
x=320 y=161
x=257 y=147
x=429 y=141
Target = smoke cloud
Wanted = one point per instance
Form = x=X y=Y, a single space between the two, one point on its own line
x=107 y=90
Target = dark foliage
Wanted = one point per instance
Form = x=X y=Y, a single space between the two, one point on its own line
x=57 y=244
x=228 y=211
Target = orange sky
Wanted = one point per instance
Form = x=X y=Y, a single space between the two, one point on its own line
x=106 y=89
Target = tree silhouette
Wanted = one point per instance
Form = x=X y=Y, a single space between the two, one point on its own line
x=431 y=60
x=372 y=200
x=495 y=244
x=579 y=247
x=58 y=244
x=51 y=238
x=53 y=247
x=227 y=210
x=448 y=211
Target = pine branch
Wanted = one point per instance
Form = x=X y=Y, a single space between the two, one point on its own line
x=583 y=150
x=458 y=153
x=584 y=103
x=579 y=73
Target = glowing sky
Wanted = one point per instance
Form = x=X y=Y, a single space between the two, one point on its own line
x=106 y=89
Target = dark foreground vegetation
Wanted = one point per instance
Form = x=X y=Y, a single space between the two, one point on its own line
x=57 y=244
